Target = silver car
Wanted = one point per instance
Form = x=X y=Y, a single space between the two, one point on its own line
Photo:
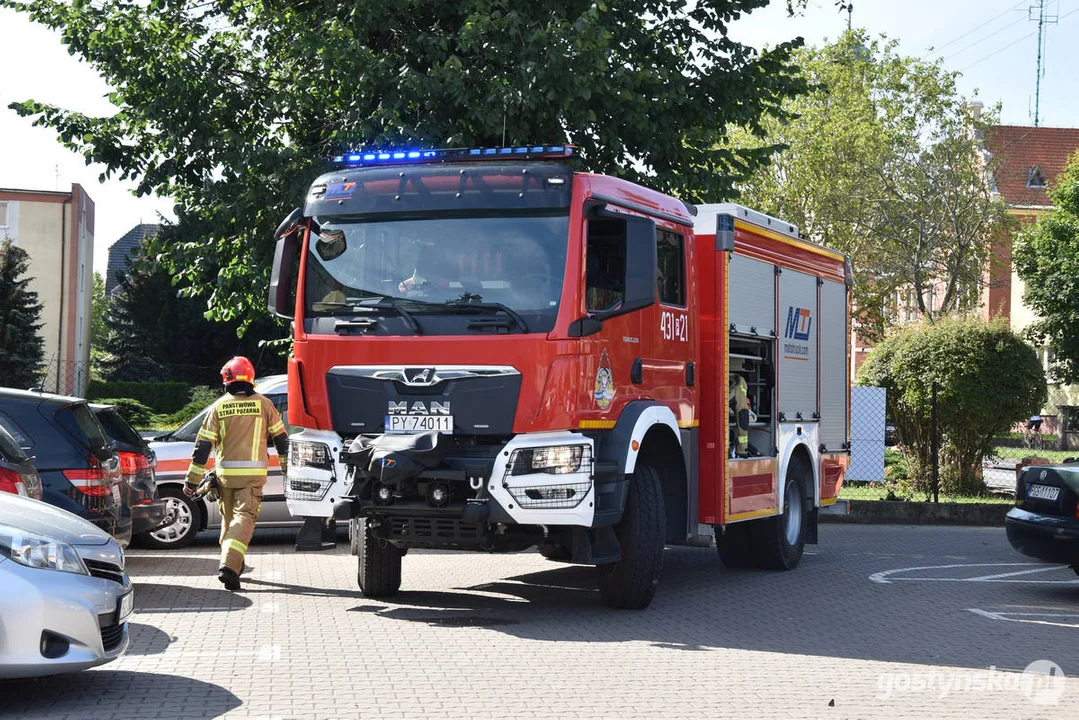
x=65 y=598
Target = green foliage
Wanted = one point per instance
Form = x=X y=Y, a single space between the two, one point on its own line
x=883 y=162
x=155 y=334
x=232 y=108
x=1046 y=257
x=21 y=346
x=136 y=413
x=987 y=378
x=160 y=397
x=99 y=304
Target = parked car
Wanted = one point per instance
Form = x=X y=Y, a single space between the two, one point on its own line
x=17 y=472
x=186 y=516
x=80 y=471
x=66 y=596
x=1044 y=523
x=137 y=461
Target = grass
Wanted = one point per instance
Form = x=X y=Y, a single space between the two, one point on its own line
x=878 y=491
x=1015 y=453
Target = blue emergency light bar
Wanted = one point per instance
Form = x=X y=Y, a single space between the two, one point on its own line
x=400 y=157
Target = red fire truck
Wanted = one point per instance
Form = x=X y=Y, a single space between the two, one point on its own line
x=494 y=352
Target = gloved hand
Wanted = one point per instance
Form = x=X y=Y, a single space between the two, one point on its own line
x=189 y=489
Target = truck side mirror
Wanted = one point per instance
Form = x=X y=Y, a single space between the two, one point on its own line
x=287 y=236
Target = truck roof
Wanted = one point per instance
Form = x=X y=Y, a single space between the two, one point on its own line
x=706 y=220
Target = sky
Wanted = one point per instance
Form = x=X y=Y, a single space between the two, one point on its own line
x=992 y=42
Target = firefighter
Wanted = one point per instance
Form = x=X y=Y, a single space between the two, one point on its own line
x=737 y=390
x=237 y=428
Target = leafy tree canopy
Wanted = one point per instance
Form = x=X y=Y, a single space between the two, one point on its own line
x=1046 y=257
x=883 y=162
x=232 y=107
x=987 y=378
x=21 y=346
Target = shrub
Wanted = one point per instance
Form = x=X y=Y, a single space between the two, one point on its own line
x=160 y=397
x=987 y=379
x=133 y=411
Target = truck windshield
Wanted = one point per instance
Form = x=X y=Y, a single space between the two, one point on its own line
x=506 y=265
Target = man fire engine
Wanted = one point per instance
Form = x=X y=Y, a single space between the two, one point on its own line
x=565 y=385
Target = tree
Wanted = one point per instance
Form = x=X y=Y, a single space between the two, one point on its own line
x=99 y=304
x=21 y=347
x=884 y=163
x=232 y=108
x=1046 y=257
x=156 y=334
x=987 y=378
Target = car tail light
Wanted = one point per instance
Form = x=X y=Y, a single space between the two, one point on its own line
x=11 y=481
x=94 y=480
x=131 y=463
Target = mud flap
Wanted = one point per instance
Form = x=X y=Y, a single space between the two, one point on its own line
x=317 y=534
x=811 y=527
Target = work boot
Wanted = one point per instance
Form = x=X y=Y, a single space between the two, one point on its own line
x=229 y=578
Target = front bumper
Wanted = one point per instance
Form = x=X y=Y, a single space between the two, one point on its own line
x=77 y=610
x=1052 y=538
x=146 y=518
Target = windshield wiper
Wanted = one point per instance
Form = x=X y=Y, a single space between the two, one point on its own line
x=365 y=305
x=470 y=301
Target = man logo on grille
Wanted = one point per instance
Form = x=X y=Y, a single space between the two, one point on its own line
x=420 y=376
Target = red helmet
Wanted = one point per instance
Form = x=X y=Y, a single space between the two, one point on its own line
x=238 y=369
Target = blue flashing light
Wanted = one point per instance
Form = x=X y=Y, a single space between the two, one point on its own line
x=405 y=156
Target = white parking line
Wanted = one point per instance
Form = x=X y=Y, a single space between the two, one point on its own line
x=886 y=577
x=983 y=578
x=1025 y=617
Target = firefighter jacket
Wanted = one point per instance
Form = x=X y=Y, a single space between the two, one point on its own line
x=238 y=429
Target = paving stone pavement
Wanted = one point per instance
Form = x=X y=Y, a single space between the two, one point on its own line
x=854 y=632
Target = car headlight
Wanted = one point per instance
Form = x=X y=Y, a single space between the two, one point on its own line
x=38 y=551
x=304 y=453
x=554 y=460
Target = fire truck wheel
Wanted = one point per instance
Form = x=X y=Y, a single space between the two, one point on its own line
x=631 y=582
x=733 y=546
x=379 y=563
x=777 y=542
x=555 y=552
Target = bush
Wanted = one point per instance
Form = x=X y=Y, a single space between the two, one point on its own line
x=160 y=397
x=133 y=411
x=987 y=379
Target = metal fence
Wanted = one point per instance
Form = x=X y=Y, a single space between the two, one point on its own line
x=881 y=469
x=65 y=377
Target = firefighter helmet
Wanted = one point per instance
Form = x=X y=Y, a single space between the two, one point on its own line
x=238 y=369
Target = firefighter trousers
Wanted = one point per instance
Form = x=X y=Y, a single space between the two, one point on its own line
x=239 y=510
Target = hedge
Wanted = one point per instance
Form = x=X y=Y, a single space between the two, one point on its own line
x=160 y=397
x=132 y=410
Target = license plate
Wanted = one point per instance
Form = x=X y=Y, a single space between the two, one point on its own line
x=127 y=606
x=419 y=423
x=1043 y=492
x=116 y=492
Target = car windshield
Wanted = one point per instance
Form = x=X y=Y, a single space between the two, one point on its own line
x=508 y=263
x=118 y=428
x=190 y=429
x=79 y=421
x=10 y=449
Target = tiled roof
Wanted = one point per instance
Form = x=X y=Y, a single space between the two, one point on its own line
x=124 y=249
x=1021 y=148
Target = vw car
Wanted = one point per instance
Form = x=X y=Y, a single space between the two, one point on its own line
x=1044 y=523
x=66 y=596
x=185 y=516
x=79 y=469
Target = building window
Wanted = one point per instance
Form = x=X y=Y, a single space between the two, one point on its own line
x=1035 y=178
x=3 y=220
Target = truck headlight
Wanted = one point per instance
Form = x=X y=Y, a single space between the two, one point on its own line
x=554 y=460
x=304 y=453
x=38 y=551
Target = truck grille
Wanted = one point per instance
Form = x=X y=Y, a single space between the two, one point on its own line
x=106 y=571
x=441 y=532
x=112 y=636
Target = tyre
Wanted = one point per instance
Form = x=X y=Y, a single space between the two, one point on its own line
x=183 y=520
x=559 y=553
x=378 y=562
x=631 y=582
x=776 y=543
x=733 y=546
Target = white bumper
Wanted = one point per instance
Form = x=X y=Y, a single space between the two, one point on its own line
x=539 y=498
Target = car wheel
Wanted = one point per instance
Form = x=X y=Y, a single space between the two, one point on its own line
x=631 y=582
x=378 y=562
x=182 y=522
